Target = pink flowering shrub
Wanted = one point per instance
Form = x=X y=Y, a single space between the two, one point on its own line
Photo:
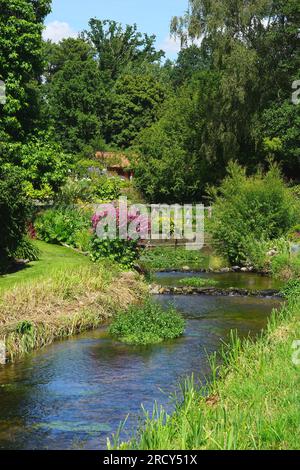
x=128 y=227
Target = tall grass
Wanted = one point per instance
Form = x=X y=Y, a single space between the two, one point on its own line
x=65 y=303
x=252 y=401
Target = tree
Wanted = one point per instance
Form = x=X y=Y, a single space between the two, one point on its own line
x=184 y=149
x=135 y=104
x=75 y=94
x=190 y=60
x=21 y=64
x=14 y=210
x=278 y=135
x=117 y=47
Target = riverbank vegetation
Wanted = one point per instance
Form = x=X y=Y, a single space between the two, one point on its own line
x=253 y=217
x=198 y=282
x=147 y=324
x=169 y=258
x=59 y=300
x=250 y=402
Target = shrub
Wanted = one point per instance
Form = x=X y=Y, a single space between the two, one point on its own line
x=258 y=251
x=147 y=324
x=260 y=206
x=45 y=167
x=74 y=191
x=62 y=225
x=26 y=250
x=291 y=289
x=14 y=212
x=285 y=266
x=294 y=234
x=123 y=251
x=106 y=189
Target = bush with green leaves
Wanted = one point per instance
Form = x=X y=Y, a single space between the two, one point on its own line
x=147 y=324
x=260 y=252
x=14 y=212
x=123 y=252
x=257 y=207
x=74 y=191
x=26 y=250
x=45 y=167
x=106 y=189
x=291 y=289
x=62 y=225
x=286 y=266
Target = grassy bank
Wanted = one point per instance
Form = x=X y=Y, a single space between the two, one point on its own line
x=58 y=296
x=254 y=403
x=52 y=258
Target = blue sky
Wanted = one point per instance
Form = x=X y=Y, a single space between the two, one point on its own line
x=152 y=17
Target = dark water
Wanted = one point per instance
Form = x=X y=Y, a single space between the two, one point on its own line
x=74 y=393
x=248 y=281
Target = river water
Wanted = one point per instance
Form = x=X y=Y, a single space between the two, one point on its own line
x=74 y=393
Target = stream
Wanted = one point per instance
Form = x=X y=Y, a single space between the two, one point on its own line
x=74 y=393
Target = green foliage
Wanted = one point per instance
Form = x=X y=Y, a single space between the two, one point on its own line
x=135 y=105
x=75 y=94
x=45 y=167
x=14 y=212
x=278 y=134
x=106 y=189
x=286 y=266
x=62 y=225
x=74 y=191
x=117 y=47
x=259 y=207
x=294 y=234
x=291 y=289
x=239 y=107
x=176 y=159
x=24 y=327
x=261 y=252
x=26 y=250
x=147 y=324
x=21 y=25
x=123 y=252
x=198 y=282
x=161 y=258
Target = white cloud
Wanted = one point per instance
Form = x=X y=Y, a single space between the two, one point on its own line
x=170 y=45
x=58 y=30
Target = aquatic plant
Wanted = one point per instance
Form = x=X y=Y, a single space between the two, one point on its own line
x=198 y=282
x=147 y=324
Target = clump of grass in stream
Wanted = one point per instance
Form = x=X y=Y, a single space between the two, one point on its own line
x=198 y=282
x=252 y=401
x=34 y=314
x=147 y=324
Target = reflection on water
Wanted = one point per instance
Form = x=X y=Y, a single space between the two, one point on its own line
x=74 y=393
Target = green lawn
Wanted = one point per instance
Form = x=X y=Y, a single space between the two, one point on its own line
x=52 y=257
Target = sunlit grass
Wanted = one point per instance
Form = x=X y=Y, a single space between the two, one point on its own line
x=252 y=401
